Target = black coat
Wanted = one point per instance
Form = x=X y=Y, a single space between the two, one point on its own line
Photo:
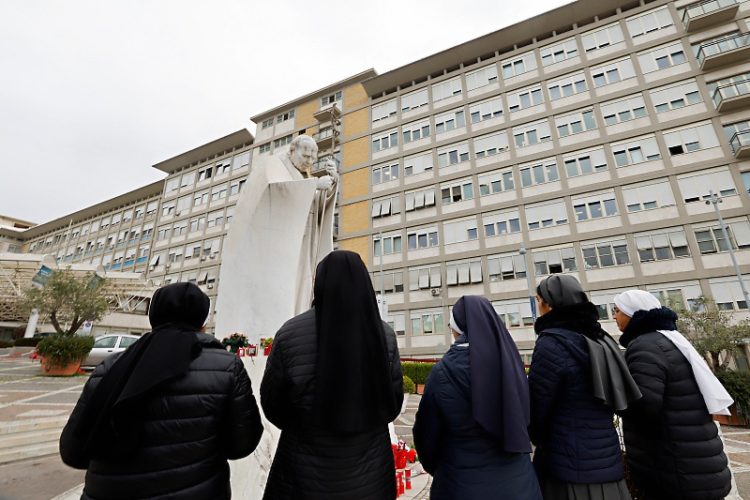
x=465 y=461
x=673 y=447
x=574 y=433
x=312 y=463
x=189 y=429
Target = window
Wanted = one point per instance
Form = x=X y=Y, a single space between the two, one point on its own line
x=215 y=219
x=229 y=214
x=481 y=77
x=385 y=140
x=264 y=148
x=637 y=151
x=559 y=260
x=172 y=185
x=390 y=244
x=728 y=294
x=219 y=192
x=612 y=72
x=414 y=100
x=426 y=277
x=539 y=172
x=490 y=144
x=115 y=221
x=384 y=110
x=531 y=134
x=105 y=342
x=397 y=322
x=384 y=173
x=461 y=230
x=623 y=110
x=179 y=228
x=197 y=223
x=266 y=123
x=389 y=281
x=648 y=195
x=604 y=37
x=595 y=207
x=567 y=86
x=167 y=209
x=746 y=181
x=417 y=200
x=236 y=187
x=460 y=190
x=486 y=110
x=427 y=322
x=446 y=89
x=500 y=223
x=689 y=139
x=649 y=22
x=283 y=141
x=518 y=65
x=666 y=244
x=525 y=98
x=206 y=173
x=733 y=128
x=223 y=167
x=383 y=207
x=200 y=198
x=150 y=208
x=496 y=182
x=183 y=203
x=559 y=52
x=330 y=98
x=449 y=121
x=542 y=215
x=241 y=160
x=514 y=313
x=415 y=131
x=676 y=96
x=285 y=116
x=463 y=272
x=575 y=123
x=585 y=162
x=506 y=267
x=605 y=254
x=711 y=239
x=662 y=58
x=455 y=153
x=211 y=247
x=417 y=164
x=422 y=238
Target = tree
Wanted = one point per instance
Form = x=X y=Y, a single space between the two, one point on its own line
x=68 y=300
x=712 y=330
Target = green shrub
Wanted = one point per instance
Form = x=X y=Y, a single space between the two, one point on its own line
x=62 y=350
x=409 y=387
x=27 y=342
x=6 y=343
x=418 y=372
x=737 y=385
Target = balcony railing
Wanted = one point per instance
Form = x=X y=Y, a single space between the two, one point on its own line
x=732 y=96
x=724 y=50
x=703 y=14
x=740 y=143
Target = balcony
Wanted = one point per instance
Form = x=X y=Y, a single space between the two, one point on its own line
x=328 y=113
x=325 y=138
x=701 y=15
x=732 y=96
x=730 y=49
x=740 y=143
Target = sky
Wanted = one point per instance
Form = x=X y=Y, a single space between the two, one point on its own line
x=95 y=92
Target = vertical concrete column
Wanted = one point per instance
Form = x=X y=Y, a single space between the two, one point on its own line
x=31 y=325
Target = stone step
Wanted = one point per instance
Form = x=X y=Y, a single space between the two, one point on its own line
x=29 y=451
x=38 y=436
x=33 y=424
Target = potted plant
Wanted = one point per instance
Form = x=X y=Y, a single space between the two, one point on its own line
x=235 y=341
x=62 y=355
x=737 y=385
x=266 y=343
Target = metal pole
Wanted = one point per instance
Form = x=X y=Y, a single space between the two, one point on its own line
x=529 y=284
x=382 y=279
x=715 y=200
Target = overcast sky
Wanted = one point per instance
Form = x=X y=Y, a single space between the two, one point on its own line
x=92 y=93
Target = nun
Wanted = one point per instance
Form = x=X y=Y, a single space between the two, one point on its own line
x=578 y=379
x=673 y=446
x=332 y=385
x=470 y=431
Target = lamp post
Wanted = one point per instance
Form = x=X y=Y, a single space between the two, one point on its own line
x=715 y=200
x=529 y=284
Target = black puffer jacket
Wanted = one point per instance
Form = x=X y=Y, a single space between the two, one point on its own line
x=311 y=463
x=673 y=447
x=191 y=427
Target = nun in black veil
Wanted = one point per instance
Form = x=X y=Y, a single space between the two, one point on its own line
x=471 y=427
x=332 y=385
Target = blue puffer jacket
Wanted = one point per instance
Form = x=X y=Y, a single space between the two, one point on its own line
x=466 y=462
x=574 y=433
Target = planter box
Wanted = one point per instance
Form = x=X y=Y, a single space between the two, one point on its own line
x=420 y=388
x=52 y=370
x=732 y=419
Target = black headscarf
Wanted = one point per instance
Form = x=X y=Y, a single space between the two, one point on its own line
x=352 y=378
x=108 y=425
x=499 y=387
x=611 y=381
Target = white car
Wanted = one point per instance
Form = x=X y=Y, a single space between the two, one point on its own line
x=107 y=345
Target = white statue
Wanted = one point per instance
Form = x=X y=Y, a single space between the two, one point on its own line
x=282 y=227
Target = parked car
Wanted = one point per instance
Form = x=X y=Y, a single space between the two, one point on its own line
x=106 y=345
x=41 y=335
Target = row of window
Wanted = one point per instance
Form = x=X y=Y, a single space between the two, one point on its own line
x=216 y=218
x=280 y=118
x=201 y=199
x=218 y=169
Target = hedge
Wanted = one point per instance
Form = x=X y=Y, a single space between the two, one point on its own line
x=409 y=387
x=6 y=343
x=737 y=385
x=27 y=342
x=417 y=372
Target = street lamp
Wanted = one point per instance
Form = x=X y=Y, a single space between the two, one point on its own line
x=529 y=284
x=715 y=200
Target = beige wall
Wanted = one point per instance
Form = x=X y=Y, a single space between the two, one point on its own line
x=355 y=217
x=360 y=245
x=355 y=183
